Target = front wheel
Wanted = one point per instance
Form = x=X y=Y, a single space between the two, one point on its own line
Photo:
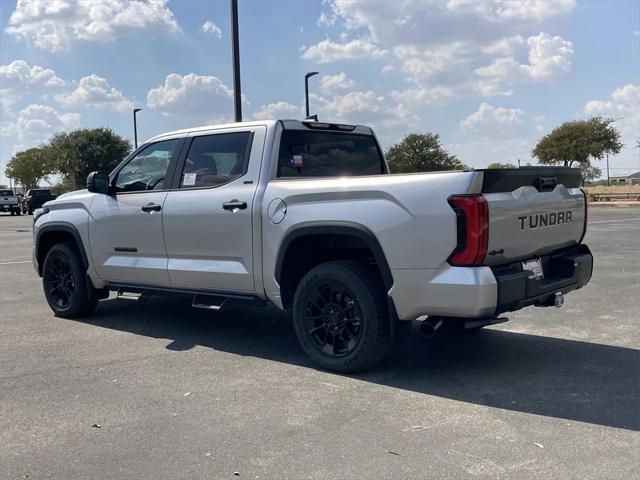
x=340 y=316
x=66 y=287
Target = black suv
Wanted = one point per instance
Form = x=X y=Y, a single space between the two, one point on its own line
x=35 y=198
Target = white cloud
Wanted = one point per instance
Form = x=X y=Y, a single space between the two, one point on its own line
x=489 y=119
x=327 y=51
x=415 y=97
x=95 y=91
x=278 y=111
x=442 y=42
x=192 y=95
x=35 y=123
x=362 y=107
x=55 y=25
x=212 y=28
x=636 y=33
x=18 y=79
x=332 y=83
x=624 y=108
x=506 y=10
x=325 y=20
x=549 y=57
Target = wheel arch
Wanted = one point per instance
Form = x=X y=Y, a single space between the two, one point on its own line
x=358 y=235
x=51 y=234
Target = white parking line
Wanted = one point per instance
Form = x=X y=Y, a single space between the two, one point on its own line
x=615 y=221
x=13 y=263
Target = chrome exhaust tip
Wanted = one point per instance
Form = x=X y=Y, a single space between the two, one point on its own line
x=558 y=300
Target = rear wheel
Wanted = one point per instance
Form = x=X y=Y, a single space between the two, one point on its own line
x=66 y=286
x=30 y=211
x=340 y=316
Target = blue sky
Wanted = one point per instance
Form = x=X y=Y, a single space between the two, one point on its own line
x=489 y=77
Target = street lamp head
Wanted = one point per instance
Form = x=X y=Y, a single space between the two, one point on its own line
x=310 y=74
x=136 y=110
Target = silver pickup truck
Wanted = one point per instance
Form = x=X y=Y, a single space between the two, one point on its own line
x=9 y=202
x=305 y=216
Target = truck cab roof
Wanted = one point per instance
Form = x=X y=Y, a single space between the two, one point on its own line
x=287 y=124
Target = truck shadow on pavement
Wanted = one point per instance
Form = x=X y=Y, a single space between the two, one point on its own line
x=565 y=379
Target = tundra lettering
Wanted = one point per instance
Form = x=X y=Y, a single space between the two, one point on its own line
x=304 y=215
x=540 y=220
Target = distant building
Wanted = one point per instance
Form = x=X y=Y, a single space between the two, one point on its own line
x=631 y=179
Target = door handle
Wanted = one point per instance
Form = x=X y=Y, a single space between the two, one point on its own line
x=151 y=207
x=234 y=205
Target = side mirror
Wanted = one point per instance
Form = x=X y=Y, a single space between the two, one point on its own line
x=98 y=182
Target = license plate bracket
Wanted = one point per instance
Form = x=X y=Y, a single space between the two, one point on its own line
x=534 y=267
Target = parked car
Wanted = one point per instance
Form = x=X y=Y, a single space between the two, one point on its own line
x=36 y=198
x=305 y=215
x=9 y=202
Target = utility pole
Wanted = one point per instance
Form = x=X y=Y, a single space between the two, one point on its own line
x=235 y=53
x=607 y=169
x=135 y=127
x=307 y=76
x=518 y=163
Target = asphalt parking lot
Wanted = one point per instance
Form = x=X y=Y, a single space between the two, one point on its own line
x=154 y=389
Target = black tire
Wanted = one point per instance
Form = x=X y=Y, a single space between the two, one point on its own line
x=12 y=212
x=18 y=212
x=352 y=322
x=67 y=289
x=30 y=211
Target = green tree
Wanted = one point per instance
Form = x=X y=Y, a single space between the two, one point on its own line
x=578 y=141
x=80 y=152
x=421 y=153
x=590 y=173
x=501 y=165
x=29 y=167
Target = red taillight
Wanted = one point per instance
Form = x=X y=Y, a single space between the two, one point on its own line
x=473 y=229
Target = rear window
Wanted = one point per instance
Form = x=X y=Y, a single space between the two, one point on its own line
x=328 y=154
x=6 y=193
x=37 y=193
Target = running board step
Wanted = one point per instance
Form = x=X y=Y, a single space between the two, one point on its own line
x=483 y=322
x=209 y=302
x=126 y=295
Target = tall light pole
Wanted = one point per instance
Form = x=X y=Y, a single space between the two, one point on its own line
x=306 y=91
x=608 y=170
x=135 y=127
x=235 y=53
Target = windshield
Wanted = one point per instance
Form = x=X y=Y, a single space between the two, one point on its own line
x=328 y=154
x=6 y=193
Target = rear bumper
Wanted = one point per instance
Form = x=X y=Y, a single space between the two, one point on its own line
x=478 y=292
x=565 y=270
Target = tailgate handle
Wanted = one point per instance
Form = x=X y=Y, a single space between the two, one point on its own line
x=546 y=184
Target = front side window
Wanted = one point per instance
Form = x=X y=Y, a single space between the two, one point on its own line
x=328 y=154
x=216 y=159
x=148 y=169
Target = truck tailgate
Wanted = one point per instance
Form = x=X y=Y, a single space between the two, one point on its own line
x=532 y=211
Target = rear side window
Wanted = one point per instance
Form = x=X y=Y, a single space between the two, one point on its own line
x=216 y=159
x=328 y=154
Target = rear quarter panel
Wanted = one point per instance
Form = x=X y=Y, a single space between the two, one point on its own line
x=408 y=214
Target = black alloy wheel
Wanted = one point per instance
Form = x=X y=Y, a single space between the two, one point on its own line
x=333 y=319
x=58 y=282
x=67 y=288
x=340 y=316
